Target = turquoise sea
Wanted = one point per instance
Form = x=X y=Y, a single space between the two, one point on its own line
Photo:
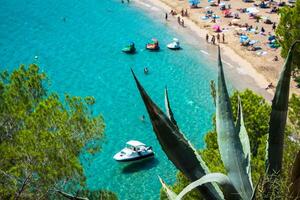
x=78 y=45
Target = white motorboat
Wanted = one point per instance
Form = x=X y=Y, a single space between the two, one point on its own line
x=134 y=151
x=174 y=45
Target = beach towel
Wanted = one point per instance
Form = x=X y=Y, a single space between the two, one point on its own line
x=261 y=53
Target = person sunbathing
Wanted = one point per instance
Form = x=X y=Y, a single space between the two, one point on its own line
x=236 y=16
x=270 y=86
x=275 y=58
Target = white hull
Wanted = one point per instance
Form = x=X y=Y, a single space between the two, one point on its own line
x=134 y=152
x=173 y=46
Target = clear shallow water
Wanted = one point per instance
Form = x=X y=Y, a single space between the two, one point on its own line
x=81 y=56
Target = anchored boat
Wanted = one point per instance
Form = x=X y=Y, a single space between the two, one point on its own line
x=174 y=45
x=134 y=150
x=153 y=46
x=130 y=49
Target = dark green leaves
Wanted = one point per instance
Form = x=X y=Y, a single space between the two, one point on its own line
x=41 y=137
x=279 y=116
x=229 y=141
x=295 y=178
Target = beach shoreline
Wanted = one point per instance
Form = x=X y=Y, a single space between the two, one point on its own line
x=243 y=71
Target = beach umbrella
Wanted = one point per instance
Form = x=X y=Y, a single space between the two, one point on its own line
x=194 y=2
x=216 y=27
x=272 y=37
x=243 y=38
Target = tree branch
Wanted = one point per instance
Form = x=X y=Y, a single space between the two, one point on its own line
x=25 y=182
x=69 y=196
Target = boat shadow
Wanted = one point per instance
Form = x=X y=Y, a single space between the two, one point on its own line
x=140 y=166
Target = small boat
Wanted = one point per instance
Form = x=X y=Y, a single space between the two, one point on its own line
x=130 y=49
x=174 y=45
x=134 y=150
x=153 y=46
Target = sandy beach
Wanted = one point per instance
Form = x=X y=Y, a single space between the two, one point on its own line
x=246 y=69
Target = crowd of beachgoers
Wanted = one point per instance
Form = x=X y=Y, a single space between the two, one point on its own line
x=245 y=26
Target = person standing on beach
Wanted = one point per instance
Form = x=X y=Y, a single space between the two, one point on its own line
x=257 y=19
x=182 y=22
x=207 y=37
x=213 y=40
x=223 y=37
x=218 y=37
x=166 y=17
x=214 y=18
x=178 y=20
x=182 y=13
x=186 y=13
x=274 y=26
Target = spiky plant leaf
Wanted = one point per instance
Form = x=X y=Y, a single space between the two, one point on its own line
x=256 y=188
x=168 y=108
x=223 y=180
x=229 y=142
x=295 y=178
x=176 y=147
x=279 y=115
x=170 y=194
x=240 y=127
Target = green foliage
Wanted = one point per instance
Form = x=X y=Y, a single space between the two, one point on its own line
x=280 y=187
x=294 y=113
x=40 y=136
x=295 y=177
x=288 y=31
x=211 y=154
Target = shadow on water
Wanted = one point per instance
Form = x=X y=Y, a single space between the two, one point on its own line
x=140 y=165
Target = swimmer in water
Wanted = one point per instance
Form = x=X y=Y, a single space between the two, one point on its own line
x=146 y=71
x=143 y=118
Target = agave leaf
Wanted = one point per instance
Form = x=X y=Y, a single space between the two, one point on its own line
x=240 y=127
x=223 y=180
x=170 y=194
x=168 y=108
x=229 y=142
x=176 y=147
x=256 y=188
x=295 y=178
x=279 y=115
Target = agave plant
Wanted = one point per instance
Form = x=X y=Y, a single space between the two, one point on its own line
x=295 y=178
x=232 y=138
